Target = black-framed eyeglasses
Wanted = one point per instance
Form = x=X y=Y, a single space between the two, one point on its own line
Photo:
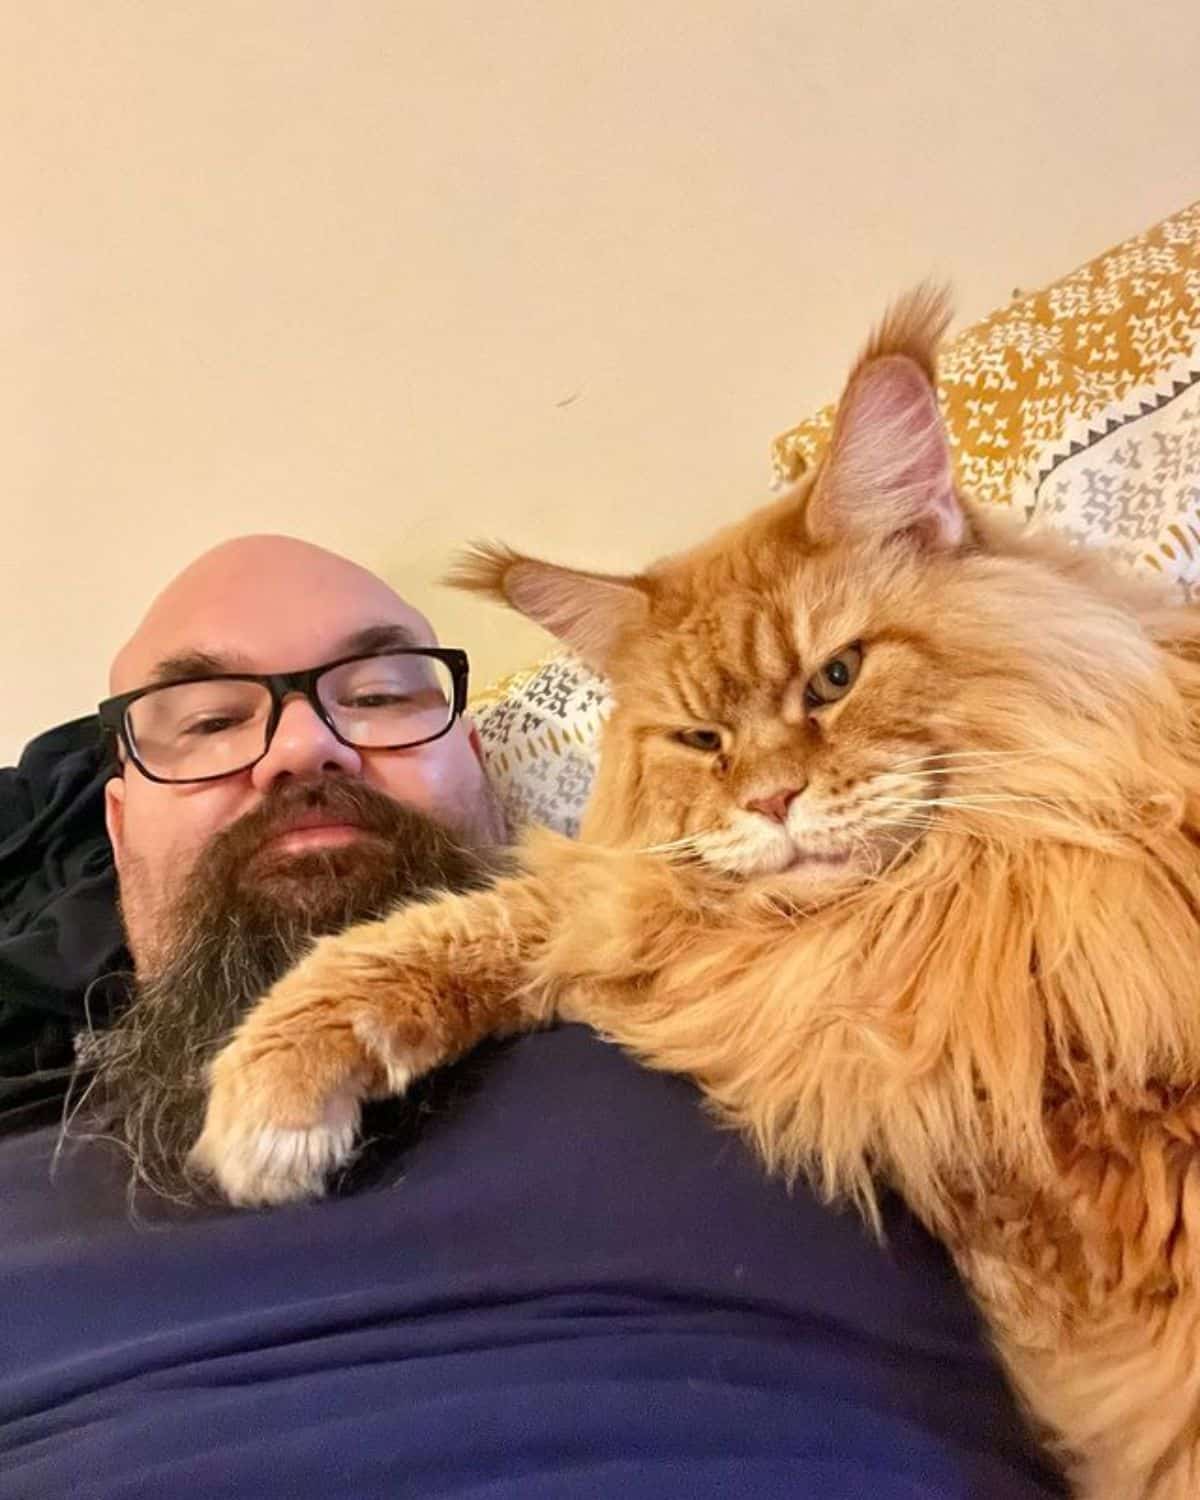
x=203 y=728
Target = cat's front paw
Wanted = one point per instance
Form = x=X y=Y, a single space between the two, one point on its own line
x=286 y=1092
x=267 y=1137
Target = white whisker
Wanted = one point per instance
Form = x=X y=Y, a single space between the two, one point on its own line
x=995 y=806
x=1001 y=757
x=672 y=846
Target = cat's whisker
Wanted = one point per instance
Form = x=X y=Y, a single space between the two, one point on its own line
x=672 y=846
x=986 y=797
x=924 y=824
x=942 y=772
x=995 y=806
x=942 y=775
x=953 y=775
x=690 y=843
x=934 y=757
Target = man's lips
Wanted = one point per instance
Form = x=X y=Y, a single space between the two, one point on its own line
x=313 y=830
x=330 y=835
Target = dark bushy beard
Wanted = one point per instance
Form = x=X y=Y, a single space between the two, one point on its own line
x=246 y=915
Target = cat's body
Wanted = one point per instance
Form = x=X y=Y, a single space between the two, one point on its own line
x=894 y=850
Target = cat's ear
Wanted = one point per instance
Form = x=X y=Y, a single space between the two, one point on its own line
x=588 y=612
x=888 y=471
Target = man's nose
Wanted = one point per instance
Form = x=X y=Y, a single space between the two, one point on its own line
x=303 y=745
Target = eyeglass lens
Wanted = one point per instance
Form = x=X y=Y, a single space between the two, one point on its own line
x=189 y=730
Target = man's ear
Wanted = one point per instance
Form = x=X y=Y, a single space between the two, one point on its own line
x=588 y=612
x=473 y=740
x=114 y=816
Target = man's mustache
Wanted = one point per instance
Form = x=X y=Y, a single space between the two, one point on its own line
x=409 y=843
x=297 y=804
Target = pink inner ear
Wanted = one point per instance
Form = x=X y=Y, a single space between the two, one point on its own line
x=586 y=611
x=890 y=464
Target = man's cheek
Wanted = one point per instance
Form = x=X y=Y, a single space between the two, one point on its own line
x=167 y=853
x=423 y=780
x=455 y=779
x=195 y=816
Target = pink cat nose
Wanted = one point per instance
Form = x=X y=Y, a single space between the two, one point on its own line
x=776 y=805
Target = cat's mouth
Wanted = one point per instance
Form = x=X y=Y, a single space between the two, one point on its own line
x=838 y=863
x=807 y=859
x=810 y=876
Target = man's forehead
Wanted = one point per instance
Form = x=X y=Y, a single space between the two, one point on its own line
x=295 y=609
x=197 y=661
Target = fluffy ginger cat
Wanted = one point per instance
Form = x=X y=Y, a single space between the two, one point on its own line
x=893 y=850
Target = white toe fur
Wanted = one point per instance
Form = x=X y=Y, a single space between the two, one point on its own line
x=264 y=1164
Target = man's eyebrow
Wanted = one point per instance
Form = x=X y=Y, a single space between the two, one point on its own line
x=379 y=638
x=192 y=662
x=181 y=665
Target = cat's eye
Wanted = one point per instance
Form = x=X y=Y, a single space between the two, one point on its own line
x=836 y=677
x=708 y=740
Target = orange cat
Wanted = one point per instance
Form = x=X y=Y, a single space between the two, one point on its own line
x=893 y=850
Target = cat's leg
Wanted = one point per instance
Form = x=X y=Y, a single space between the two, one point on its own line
x=1109 y=1261
x=1124 y=1400
x=366 y=1012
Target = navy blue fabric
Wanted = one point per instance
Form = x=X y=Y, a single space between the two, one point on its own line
x=572 y=1285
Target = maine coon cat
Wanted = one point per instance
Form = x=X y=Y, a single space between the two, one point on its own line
x=893 y=849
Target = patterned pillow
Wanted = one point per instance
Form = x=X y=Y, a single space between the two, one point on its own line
x=540 y=729
x=1078 y=406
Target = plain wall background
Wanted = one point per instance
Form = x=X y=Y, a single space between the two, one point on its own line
x=389 y=276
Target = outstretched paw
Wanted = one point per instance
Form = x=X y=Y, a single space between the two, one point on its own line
x=269 y=1137
x=286 y=1101
x=287 y=1091
x=256 y=1161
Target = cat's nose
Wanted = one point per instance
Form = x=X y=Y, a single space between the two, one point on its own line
x=776 y=805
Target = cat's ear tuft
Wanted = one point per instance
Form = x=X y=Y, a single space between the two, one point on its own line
x=888 y=471
x=588 y=612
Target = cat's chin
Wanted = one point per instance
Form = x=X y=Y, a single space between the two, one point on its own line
x=815 y=876
x=818 y=860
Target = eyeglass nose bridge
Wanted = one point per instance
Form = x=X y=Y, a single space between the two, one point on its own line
x=284 y=686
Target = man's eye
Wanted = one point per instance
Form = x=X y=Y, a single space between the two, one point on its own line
x=215 y=724
x=376 y=700
x=836 y=677
x=708 y=740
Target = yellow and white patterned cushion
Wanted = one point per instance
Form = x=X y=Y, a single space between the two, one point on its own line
x=1077 y=407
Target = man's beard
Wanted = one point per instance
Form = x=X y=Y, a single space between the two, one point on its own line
x=247 y=914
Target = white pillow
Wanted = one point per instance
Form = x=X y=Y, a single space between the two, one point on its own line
x=539 y=730
x=1128 y=478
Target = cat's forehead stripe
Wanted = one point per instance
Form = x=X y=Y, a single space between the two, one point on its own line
x=793 y=709
x=684 y=687
x=771 y=649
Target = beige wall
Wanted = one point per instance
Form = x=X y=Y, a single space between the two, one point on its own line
x=390 y=275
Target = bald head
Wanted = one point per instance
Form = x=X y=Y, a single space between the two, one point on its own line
x=263 y=605
x=248 y=587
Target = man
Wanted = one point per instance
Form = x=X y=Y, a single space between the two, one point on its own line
x=550 y=1276
x=248 y=821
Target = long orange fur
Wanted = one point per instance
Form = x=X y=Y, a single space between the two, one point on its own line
x=974 y=985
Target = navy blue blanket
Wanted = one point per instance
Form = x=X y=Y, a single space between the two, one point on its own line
x=571 y=1285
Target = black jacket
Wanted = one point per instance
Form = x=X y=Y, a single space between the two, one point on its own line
x=59 y=927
